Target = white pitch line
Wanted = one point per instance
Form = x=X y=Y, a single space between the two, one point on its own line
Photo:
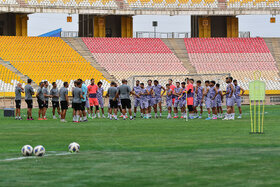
x=28 y=157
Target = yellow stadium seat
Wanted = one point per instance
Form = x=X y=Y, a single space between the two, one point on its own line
x=46 y=58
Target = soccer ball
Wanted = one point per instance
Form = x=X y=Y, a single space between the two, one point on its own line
x=74 y=147
x=26 y=150
x=39 y=150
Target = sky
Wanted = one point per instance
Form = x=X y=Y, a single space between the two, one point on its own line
x=257 y=25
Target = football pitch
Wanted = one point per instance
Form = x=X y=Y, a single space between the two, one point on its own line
x=154 y=152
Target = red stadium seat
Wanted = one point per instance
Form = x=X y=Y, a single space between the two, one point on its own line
x=124 y=57
x=238 y=56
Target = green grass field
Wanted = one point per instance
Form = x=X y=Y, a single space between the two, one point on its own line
x=156 y=152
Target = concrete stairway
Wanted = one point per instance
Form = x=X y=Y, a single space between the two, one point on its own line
x=14 y=70
x=273 y=45
x=78 y=45
x=178 y=47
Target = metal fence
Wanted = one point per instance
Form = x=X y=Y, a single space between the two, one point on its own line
x=69 y=34
x=150 y=34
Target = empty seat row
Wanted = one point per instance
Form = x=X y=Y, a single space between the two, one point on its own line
x=125 y=57
x=226 y=45
x=238 y=56
x=112 y=4
x=126 y=45
x=46 y=58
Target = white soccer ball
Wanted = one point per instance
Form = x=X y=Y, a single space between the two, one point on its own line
x=39 y=150
x=74 y=147
x=26 y=150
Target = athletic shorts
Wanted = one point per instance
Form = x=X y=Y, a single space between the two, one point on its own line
x=157 y=100
x=230 y=101
x=219 y=103
x=64 y=105
x=93 y=102
x=238 y=102
x=113 y=104
x=190 y=108
x=83 y=105
x=150 y=102
x=101 y=102
x=18 y=103
x=126 y=103
x=213 y=103
x=173 y=101
x=197 y=102
x=46 y=104
x=208 y=103
x=176 y=103
x=168 y=103
x=29 y=103
x=77 y=106
x=40 y=103
x=182 y=103
x=137 y=102
x=55 y=104
x=144 y=104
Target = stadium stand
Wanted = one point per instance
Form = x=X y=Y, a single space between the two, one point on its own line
x=239 y=56
x=173 y=3
x=144 y=4
x=47 y=58
x=124 y=57
x=75 y=3
x=8 y=81
x=253 y=3
x=8 y=2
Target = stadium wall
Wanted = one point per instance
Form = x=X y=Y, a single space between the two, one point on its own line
x=214 y=26
x=105 y=26
x=13 y=24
